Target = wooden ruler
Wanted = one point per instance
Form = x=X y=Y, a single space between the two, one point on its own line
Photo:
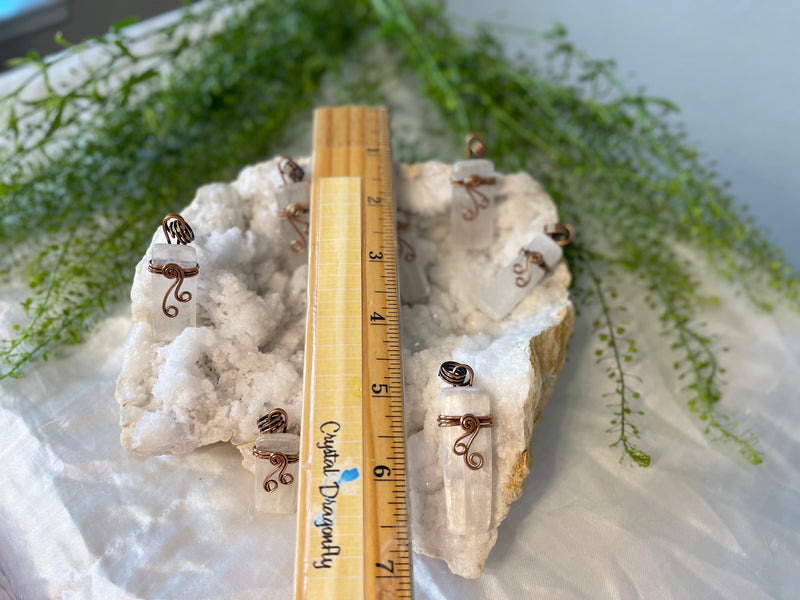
x=352 y=512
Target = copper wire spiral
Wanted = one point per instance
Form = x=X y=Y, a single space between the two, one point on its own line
x=525 y=268
x=471 y=426
x=175 y=226
x=288 y=168
x=274 y=422
x=471 y=183
x=406 y=250
x=178 y=273
x=561 y=233
x=293 y=214
x=456 y=373
x=281 y=461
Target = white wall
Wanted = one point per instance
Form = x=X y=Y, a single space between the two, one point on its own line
x=732 y=66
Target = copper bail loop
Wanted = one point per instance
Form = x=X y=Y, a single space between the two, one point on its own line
x=456 y=373
x=288 y=168
x=475 y=146
x=273 y=422
x=562 y=234
x=177 y=227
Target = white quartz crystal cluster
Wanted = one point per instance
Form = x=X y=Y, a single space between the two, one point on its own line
x=245 y=357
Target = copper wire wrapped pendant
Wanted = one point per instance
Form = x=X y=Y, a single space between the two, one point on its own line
x=534 y=262
x=472 y=219
x=293 y=202
x=466 y=423
x=414 y=285
x=173 y=267
x=276 y=468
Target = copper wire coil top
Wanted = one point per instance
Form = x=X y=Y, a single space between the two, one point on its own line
x=456 y=373
x=276 y=420
x=288 y=168
x=175 y=226
x=562 y=234
x=475 y=145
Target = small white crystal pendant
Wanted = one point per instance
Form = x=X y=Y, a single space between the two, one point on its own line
x=293 y=201
x=174 y=271
x=466 y=423
x=472 y=213
x=414 y=286
x=277 y=458
x=533 y=262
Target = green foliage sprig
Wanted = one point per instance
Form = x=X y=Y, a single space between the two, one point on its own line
x=618 y=170
x=190 y=109
x=78 y=210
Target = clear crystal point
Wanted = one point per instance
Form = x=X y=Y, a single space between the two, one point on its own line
x=472 y=226
x=468 y=492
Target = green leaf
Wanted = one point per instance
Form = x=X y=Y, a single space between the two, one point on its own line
x=59 y=39
x=120 y=25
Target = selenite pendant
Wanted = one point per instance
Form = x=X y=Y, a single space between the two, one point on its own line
x=293 y=203
x=466 y=423
x=277 y=460
x=174 y=271
x=533 y=262
x=414 y=286
x=472 y=212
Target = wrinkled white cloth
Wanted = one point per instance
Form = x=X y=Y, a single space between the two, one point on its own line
x=82 y=518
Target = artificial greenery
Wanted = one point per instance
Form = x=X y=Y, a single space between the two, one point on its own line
x=91 y=164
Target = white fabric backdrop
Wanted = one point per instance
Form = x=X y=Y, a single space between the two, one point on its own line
x=82 y=518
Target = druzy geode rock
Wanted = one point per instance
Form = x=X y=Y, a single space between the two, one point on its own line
x=245 y=357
